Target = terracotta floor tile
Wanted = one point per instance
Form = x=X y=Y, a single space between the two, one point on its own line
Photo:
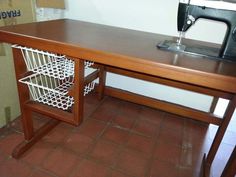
x=40 y=173
x=4 y=131
x=197 y=129
x=60 y=162
x=112 y=104
x=188 y=173
x=132 y=163
x=119 y=174
x=173 y=122
x=66 y=127
x=145 y=128
x=104 y=152
x=16 y=125
x=130 y=109
x=196 y=162
x=116 y=135
x=78 y=143
x=105 y=138
x=89 y=168
x=91 y=128
x=140 y=143
x=14 y=168
x=39 y=120
x=58 y=134
x=92 y=99
x=3 y=157
x=91 y=102
x=163 y=169
x=170 y=136
x=202 y=145
x=38 y=153
x=190 y=162
x=88 y=110
x=168 y=152
x=124 y=121
x=152 y=115
x=193 y=132
x=10 y=141
x=103 y=114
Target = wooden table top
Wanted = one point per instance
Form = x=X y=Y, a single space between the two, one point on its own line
x=123 y=48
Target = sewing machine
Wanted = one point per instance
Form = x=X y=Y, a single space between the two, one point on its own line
x=190 y=11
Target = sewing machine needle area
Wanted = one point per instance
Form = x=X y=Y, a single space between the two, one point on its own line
x=189 y=11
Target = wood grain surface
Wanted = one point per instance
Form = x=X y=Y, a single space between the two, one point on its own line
x=123 y=48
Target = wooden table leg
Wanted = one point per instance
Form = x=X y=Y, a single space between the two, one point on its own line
x=220 y=132
x=26 y=117
x=30 y=136
x=102 y=81
x=203 y=171
x=27 y=144
x=214 y=104
x=78 y=107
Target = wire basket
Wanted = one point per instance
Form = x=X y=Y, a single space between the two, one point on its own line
x=49 y=64
x=52 y=91
x=49 y=90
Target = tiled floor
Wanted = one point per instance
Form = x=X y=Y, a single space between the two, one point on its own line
x=117 y=139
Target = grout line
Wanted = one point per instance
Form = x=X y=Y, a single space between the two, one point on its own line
x=157 y=133
x=186 y=158
x=122 y=146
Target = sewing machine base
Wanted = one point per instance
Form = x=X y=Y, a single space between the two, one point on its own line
x=198 y=50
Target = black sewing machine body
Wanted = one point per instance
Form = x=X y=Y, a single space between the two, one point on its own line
x=188 y=14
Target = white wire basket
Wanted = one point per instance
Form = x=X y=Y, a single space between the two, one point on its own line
x=49 y=64
x=52 y=91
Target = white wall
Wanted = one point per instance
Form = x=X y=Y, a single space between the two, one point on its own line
x=158 y=16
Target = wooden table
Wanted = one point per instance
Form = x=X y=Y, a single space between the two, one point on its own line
x=127 y=52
